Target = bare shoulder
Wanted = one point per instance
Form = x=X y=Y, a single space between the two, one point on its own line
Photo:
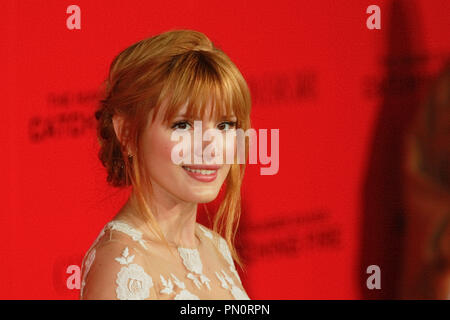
x=111 y=263
x=109 y=269
x=219 y=241
x=209 y=233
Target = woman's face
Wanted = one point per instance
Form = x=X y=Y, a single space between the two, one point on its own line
x=184 y=182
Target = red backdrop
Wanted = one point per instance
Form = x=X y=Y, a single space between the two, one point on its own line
x=340 y=94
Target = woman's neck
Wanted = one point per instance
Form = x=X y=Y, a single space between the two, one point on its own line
x=175 y=218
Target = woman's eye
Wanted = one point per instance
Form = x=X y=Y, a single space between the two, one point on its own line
x=227 y=125
x=181 y=125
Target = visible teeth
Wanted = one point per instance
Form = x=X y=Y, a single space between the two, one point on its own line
x=200 y=171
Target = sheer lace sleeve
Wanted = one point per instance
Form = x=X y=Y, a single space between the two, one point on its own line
x=116 y=270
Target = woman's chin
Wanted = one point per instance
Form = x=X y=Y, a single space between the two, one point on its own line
x=203 y=197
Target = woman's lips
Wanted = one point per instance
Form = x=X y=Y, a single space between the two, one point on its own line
x=202 y=173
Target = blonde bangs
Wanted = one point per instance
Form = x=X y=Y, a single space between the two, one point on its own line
x=200 y=78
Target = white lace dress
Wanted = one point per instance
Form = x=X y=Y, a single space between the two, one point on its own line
x=122 y=264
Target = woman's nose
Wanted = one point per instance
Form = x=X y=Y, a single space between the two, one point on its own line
x=199 y=147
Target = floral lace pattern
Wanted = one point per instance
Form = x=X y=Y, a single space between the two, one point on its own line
x=227 y=283
x=87 y=265
x=182 y=295
x=133 y=283
x=206 y=232
x=192 y=262
x=136 y=235
x=223 y=248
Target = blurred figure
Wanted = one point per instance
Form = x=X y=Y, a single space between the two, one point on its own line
x=426 y=265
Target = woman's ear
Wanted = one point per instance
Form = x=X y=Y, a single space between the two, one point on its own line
x=118 y=123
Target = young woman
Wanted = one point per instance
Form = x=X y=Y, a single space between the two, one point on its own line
x=154 y=248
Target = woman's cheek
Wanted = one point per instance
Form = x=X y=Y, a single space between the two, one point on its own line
x=161 y=145
x=229 y=149
x=167 y=150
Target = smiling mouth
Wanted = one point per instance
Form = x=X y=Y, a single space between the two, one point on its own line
x=202 y=170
